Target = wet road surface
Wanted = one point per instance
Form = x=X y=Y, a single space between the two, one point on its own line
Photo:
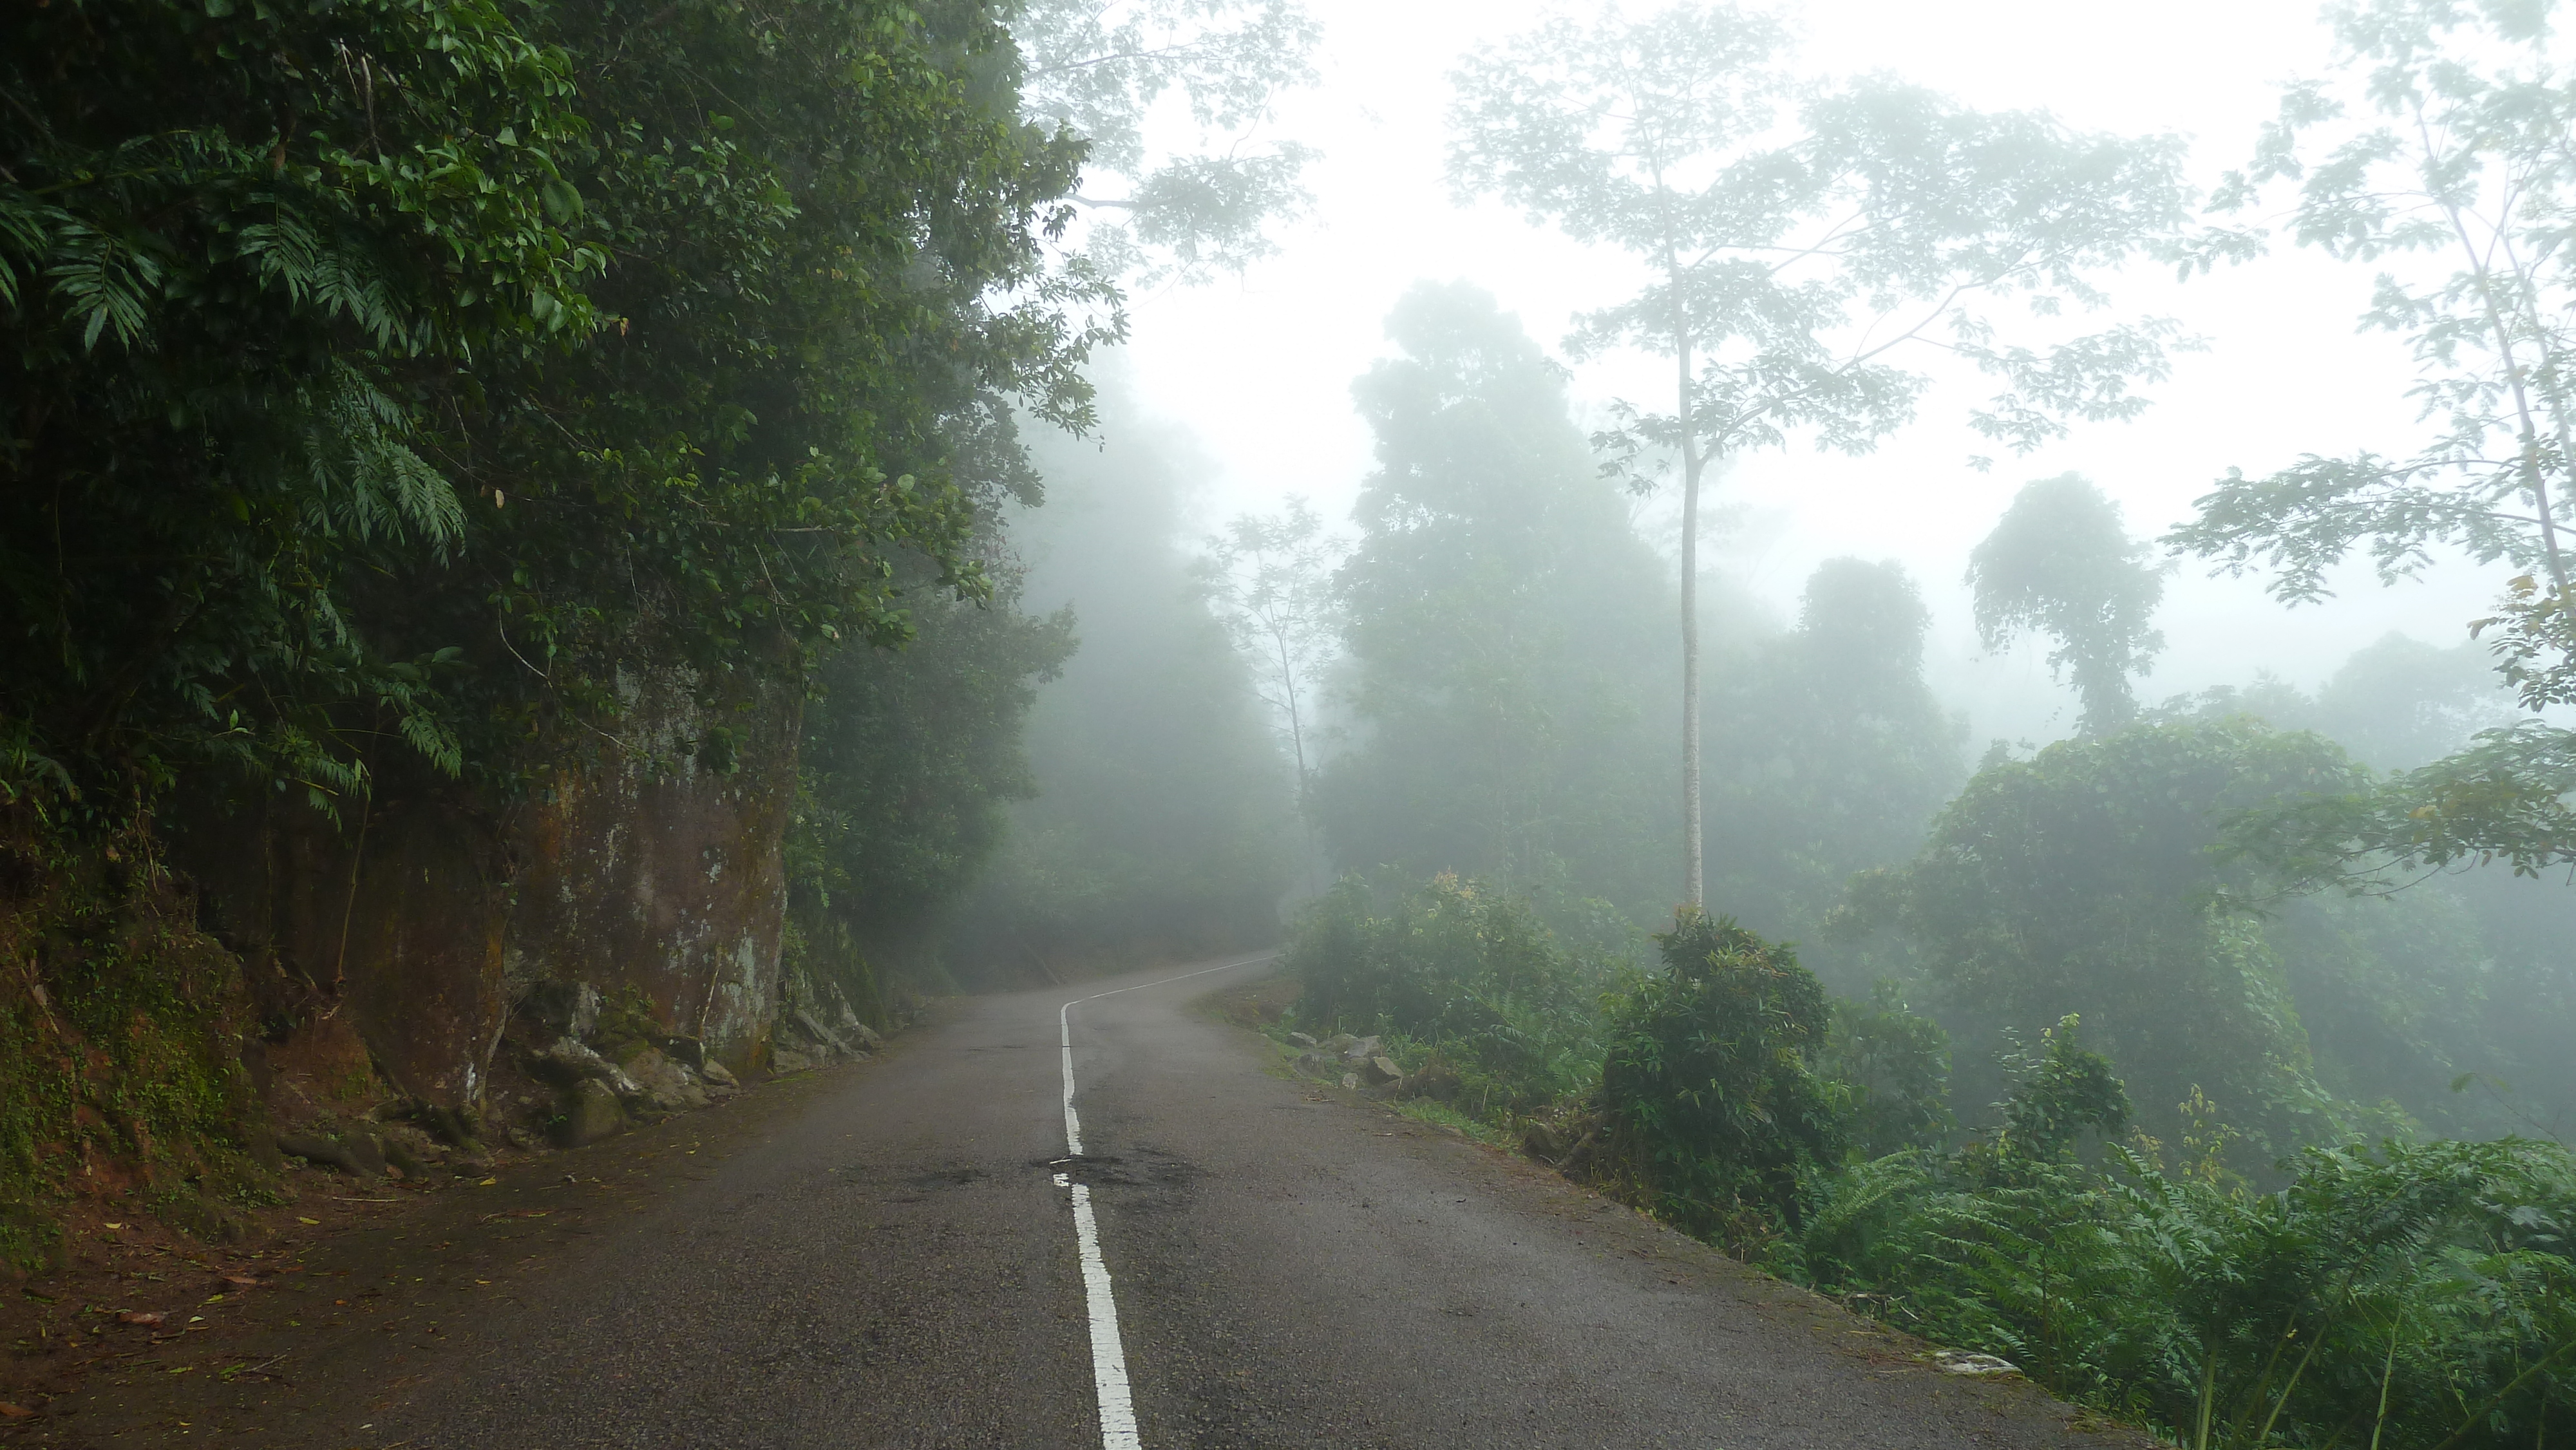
x=894 y=1263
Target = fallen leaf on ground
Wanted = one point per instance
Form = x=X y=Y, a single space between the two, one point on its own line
x=241 y=1281
x=14 y=1412
x=301 y=1219
x=140 y=1316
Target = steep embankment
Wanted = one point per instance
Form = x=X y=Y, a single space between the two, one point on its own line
x=412 y=990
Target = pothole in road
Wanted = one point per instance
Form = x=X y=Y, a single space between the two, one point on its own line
x=1091 y=1168
x=1149 y=1168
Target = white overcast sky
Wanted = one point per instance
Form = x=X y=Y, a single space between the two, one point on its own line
x=1260 y=371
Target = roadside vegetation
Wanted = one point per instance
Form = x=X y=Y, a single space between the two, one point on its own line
x=2210 y=1065
x=2356 y=1289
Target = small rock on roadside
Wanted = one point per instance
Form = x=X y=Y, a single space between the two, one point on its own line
x=571 y=1060
x=591 y=1112
x=356 y=1154
x=1543 y=1141
x=664 y=1085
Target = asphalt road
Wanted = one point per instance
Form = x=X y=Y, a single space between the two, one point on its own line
x=895 y=1264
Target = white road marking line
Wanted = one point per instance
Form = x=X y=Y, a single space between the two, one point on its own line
x=1108 y=1355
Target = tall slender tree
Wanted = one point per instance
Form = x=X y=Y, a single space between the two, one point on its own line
x=1270 y=578
x=1801 y=243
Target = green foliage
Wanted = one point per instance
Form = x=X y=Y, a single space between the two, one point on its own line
x=1098 y=71
x=2060 y=564
x=2083 y=880
x=907 y=765
x=759 y=464
x=2501 y=799
x=1497 y=623
x=2411 y=1296
x=1711 y=1079
x=395 y=373
x=2060 y=1092
x=2440 y=138
x=2397 y=704
x=1827 y=752
x=1776 y=239
x=1896 y=1067
x=1160 y=815
x=1793 y=259
x=245 y=261
x=1270 y=583
x=1461 y=969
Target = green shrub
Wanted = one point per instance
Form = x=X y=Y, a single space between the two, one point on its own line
x=1896 y=1067
x=1710 y=1080
x=2410 y=1295
x=1462 y=969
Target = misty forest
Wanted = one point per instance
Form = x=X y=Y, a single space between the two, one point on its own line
x=1957 y=689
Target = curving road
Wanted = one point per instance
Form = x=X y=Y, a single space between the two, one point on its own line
x=896 y=1264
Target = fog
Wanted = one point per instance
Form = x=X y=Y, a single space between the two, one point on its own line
x=1500 y=702
x=1259 y=369
x=783 y=513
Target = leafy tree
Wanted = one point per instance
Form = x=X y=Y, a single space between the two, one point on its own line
x=1795 y=258
x=2399 y=703
x=2083 y=881
x=2395 y=703
x=1098 y=70
x=246 y=261
x=2442 y=138
x=436 y=362
x=1271 y=582
x=807 y=210
x=1830 y=754
x=1497 y=623
x=2060 y=1091
x=1711 y=1084
x=2058 y=563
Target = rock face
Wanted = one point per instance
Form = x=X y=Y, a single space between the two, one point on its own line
x=386 y=934
x=666 y=880
x=403 y=936
x=817 y=1025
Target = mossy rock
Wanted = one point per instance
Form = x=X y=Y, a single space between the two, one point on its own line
x=627 y=1029
x=590 y=1113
